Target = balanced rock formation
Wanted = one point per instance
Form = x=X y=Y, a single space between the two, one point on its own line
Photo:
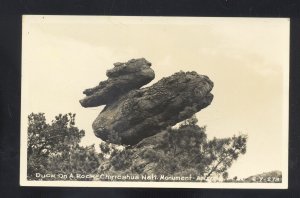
x=134 y=115
x=144 y=112
x=122 y=78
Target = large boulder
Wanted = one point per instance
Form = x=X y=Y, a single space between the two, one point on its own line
x=122 y=78
x=145 y=112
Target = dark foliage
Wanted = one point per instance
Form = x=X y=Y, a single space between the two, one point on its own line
x=54 y=148
x=183 y=151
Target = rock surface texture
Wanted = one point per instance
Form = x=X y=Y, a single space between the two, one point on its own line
x=147 y=166
x=132 y=114
x=121 y=79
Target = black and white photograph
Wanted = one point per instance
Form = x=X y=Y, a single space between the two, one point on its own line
x=165 y=102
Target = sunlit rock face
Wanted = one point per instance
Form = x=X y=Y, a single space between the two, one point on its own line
x=132 y=114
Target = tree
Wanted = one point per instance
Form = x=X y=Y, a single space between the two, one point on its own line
x=223 y=152
x=182 y=152
x=225 y=176
x=54 y=148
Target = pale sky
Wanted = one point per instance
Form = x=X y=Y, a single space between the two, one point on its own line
x=246 y=58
